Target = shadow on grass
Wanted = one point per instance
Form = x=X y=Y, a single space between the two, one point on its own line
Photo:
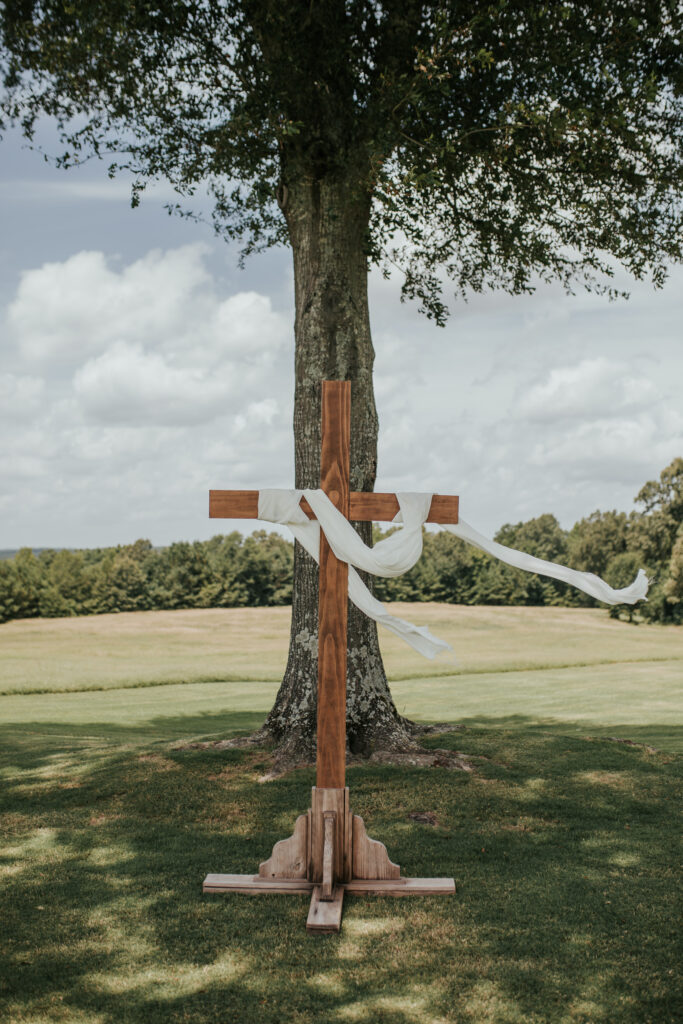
x=665 y=736
x=33 y=737
x=31 y=741
x=560 y=847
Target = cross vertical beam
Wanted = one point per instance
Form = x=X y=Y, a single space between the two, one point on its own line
x=333 y=593
x=330 y=851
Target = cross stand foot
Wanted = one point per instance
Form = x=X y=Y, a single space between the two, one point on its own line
x=324 y=914
x=329 y=854
x=255 y=885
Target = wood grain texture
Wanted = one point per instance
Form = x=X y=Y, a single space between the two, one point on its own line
x=233 y=504
x=364 y=506
x=370 y=857
x=255 y=884
x=329 y=822
x=289 y=858
x=346 y=872
x=326 y=799
x=325 y=915
x=357 y=886
x=335 y=449
x=401 y=887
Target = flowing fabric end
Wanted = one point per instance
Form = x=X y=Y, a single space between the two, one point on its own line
x=636 y=592
x=419 y=637
x=586 y=581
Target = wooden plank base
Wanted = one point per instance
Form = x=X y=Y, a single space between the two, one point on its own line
x=324 y=915
x=328 y=855
x=400 y=887
x=356 y=887
x=255 y=883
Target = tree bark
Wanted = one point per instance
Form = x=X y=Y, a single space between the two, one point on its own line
x=327 y=226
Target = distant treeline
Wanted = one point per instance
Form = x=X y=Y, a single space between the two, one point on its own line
x=233 y=571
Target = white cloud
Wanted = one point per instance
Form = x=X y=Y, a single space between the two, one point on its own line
x=79 y=189
x=129 y=389
x=129 y=386
x=20 y=396
x=140 y=386
x=151 y=342
x=596 y=387
x=604 y=449
x=257 y=413
x=245 y=327
x=66 y=311
x=537 y=404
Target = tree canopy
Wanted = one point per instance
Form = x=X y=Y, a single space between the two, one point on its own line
x=495 y=143
x=489 y=145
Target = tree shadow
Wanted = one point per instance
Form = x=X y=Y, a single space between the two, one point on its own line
x=665 y=736
x=27 y=744
x=560 y=846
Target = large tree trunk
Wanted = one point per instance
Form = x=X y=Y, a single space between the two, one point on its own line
x=327 y=226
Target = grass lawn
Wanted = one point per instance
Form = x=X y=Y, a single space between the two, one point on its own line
x=560 y=841
x=533 y=666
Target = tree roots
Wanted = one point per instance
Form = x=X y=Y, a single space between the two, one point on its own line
x=401 y=748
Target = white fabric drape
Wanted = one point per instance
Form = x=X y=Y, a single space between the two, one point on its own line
x=400 y=551
x=586 y=581
x=391 y=557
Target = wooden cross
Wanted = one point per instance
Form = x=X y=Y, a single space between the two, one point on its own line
x=329 y=852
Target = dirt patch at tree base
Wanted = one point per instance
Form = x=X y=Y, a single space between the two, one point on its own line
x=419 y=758
x=412 y=755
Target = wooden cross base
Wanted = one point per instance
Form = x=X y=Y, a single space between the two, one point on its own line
x=328 y=854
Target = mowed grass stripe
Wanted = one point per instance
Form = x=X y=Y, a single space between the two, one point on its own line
x=250 y=644
x=452 y=673
x=638 y=701
x=133 y=676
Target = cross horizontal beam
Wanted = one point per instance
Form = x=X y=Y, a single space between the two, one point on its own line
x=366 y=506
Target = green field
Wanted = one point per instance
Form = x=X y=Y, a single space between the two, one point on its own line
x=169 y=674
x=561 y=840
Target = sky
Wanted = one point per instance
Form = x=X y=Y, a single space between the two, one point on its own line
x=139 y=367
